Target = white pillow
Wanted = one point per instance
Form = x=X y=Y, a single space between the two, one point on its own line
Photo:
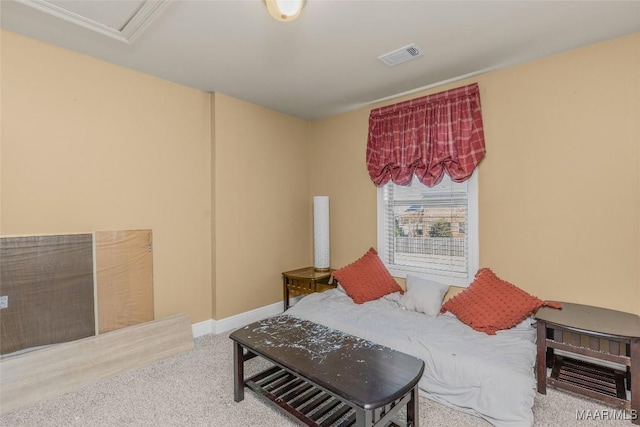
x=423 y=295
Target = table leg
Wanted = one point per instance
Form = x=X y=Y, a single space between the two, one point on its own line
x=238 y=372
x=541 y=357
x=364 y=417
x=285 y=291
x=413 y=409
x=635 y=379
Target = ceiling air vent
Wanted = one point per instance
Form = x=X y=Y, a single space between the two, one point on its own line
x=401 y=55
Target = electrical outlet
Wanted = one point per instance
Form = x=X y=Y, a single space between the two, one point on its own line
x=4 y=301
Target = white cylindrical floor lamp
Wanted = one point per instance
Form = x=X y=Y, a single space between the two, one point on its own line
x=321 y=254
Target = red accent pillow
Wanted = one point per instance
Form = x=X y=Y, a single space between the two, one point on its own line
x=490 y=304
x=367 y=279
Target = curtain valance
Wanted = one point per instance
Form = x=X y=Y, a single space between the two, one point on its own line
x=427 y=136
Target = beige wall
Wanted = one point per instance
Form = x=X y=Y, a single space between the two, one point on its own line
x=227 y=186
x=262 y=201
x=559 y=191
x=87 y=145
x=559 y=188
x=223 y=184
x=338 y=169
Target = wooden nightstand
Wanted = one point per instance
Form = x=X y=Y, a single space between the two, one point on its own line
x=304 y=281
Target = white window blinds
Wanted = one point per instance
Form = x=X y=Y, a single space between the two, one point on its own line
x=429 y=230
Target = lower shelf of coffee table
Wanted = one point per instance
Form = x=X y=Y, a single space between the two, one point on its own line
x=308 y=403
x=599 y=381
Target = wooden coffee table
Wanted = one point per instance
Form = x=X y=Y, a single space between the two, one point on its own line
x=324 y=377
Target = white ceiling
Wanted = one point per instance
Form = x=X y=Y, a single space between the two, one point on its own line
x=325 y=62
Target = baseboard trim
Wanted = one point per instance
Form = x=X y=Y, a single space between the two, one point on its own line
x=212 y=326
x=203 y=328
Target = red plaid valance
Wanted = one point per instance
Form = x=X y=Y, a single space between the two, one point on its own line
x=427 y=136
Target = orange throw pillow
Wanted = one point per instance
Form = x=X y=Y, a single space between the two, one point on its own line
x=491 y=304
x=367 y=279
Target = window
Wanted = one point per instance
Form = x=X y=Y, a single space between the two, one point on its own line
x=432 y=231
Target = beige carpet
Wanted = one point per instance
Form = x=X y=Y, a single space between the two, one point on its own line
x=196 y=389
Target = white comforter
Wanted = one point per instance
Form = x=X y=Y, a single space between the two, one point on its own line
x=488 y=376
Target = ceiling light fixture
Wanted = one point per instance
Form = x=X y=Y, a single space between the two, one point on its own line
x=284 y=10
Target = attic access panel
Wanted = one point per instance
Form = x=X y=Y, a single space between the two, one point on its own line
x=114 y=14
x=120 y=20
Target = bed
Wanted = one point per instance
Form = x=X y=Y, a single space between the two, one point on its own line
x=490 y=376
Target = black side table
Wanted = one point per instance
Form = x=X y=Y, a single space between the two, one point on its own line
x=599 y=333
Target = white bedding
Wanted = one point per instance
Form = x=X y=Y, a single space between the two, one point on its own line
x=488 y=376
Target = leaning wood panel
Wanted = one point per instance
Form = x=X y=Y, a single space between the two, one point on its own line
x=124 y=270
x=42 y=374
x=48 y=283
